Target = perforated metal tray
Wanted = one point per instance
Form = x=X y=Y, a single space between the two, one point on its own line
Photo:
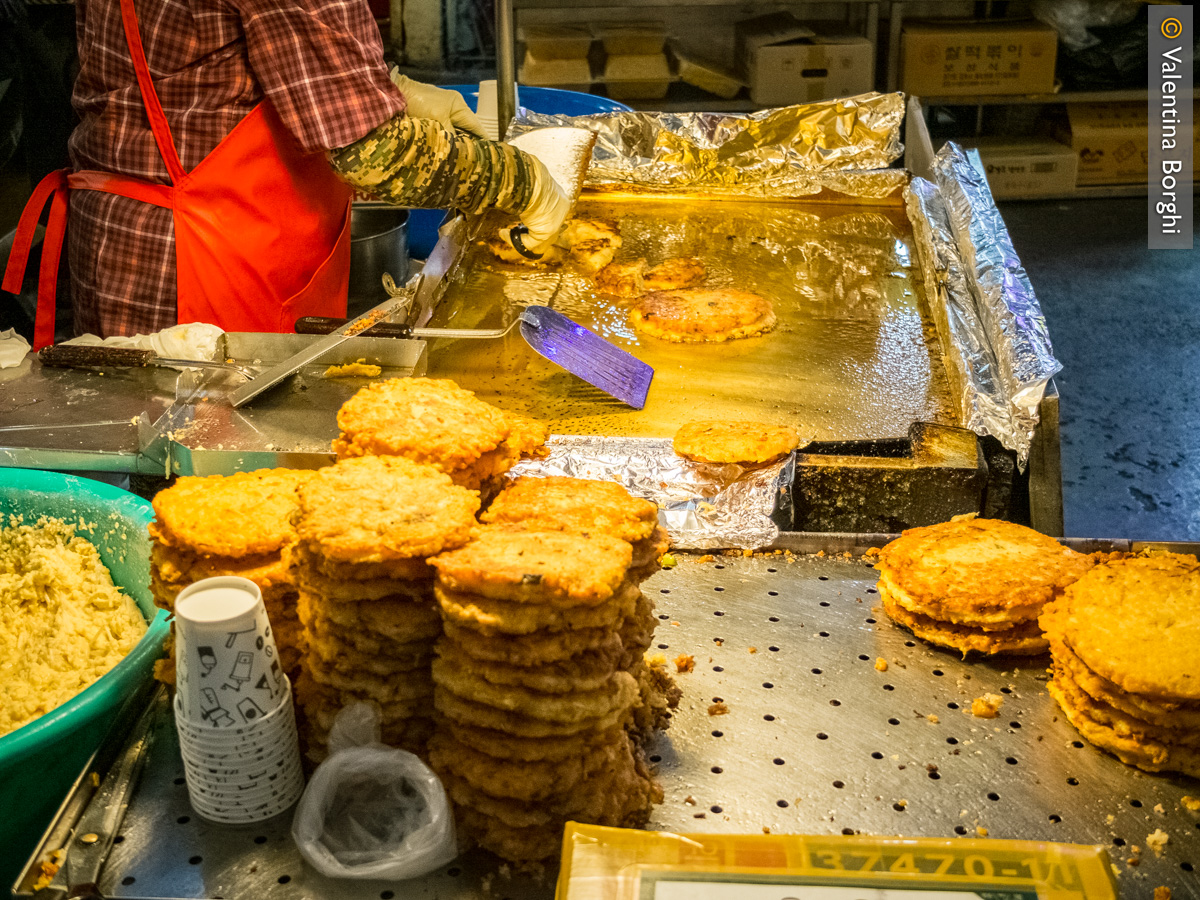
x=816 y=740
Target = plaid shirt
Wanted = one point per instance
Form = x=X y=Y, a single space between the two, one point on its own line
x=319 y=61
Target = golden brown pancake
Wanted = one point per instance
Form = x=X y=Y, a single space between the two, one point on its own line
x=697 y=315
x=746 y=443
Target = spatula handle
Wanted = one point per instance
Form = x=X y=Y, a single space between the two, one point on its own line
x=72 y=356
x=325 y=325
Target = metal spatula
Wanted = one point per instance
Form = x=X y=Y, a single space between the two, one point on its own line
x=559 y=339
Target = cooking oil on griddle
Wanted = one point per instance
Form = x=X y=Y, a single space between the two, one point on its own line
x=854 y=354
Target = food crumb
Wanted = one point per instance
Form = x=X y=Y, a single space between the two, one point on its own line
x=1157 y=841
x=669 y=561
x=707 y=557
x=689 y=800
x=1162 y=892
x=1109 y=819
x=753 y=649
x=987 y=706
x=881 y=664
x=767 y=830
x=699 y=815
x=720 y=642
x=359 y=369
x=932 y=718
x=871 y=553
x=1191 y=803
x=747 y=553
x=718 y=709
x=981 y=831
x=902 y=803
x=685 y=663
x=1158 y=808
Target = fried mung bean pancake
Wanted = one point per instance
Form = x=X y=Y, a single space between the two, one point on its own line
x=542 y=567
x=618 y=692
x=239 y=515
x=376 y=621
x=1136 y=623
x=1163 y=713
x=535 y=648
x=502 y=745
x=502 y=616
x=977 y=572
x=675 y=274
x=427 y=420
x=504 y=252
x=176 y=565
x=480 y=715
x=1150 y=756
x=372 y=509
x=587 y=671
x=582 y=505
x=744 y=443
x=519 y=779
x=1024 y=639
x=696 y=315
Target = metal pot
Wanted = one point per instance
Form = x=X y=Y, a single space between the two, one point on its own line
x=378 y=244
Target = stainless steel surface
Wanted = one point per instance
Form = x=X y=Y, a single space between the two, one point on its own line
x=72 y=420
x=854 y=356
x=317 y=349
x=506 y=66
x=816 y=741
x=378 y=244
x=293 y=426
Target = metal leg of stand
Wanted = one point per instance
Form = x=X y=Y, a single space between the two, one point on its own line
x=506 y=69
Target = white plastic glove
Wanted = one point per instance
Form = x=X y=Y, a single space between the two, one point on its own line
x=548 y=209
x=424 y=101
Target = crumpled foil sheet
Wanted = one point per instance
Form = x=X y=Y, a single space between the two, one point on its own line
x=792 y=151
x=997 y=335
x=702 y=507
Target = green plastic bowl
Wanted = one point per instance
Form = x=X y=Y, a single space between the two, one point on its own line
x=40 y=762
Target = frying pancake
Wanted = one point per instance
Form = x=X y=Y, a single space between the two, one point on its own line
x=675 y=274
x=622 y=279
x=696 y=315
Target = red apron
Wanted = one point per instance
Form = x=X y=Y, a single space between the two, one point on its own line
x=262 y=228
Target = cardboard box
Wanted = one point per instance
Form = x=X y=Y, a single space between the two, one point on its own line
x=637 y=77
x=1110 y=141
x=568 y=74
x=785 y=61
x=949 y=58
x=546 y=42
x=708 y=76
x=1026 y=167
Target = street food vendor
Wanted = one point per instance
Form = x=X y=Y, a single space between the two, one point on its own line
x=218 y=149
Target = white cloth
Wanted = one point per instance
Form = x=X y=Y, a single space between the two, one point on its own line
x=193 y=340
x=13 y=349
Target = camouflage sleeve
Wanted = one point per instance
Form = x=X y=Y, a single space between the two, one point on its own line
x=422 y=163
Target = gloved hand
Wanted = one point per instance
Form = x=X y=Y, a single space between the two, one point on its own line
x=424 y=101
x=547 y=211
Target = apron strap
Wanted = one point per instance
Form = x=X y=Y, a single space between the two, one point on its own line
x=154 y=110
x=52 y=187
x=133 y=188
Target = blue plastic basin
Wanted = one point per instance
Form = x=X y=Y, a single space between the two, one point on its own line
x=424 y=223
x=39 y=762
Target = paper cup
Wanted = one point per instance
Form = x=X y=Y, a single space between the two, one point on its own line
x=487 y=108
x=228 y=669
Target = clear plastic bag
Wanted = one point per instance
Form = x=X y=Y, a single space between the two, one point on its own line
x=1072 y=18
x=372 y=811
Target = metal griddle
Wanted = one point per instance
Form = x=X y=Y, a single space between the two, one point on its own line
x=816 y=741
x=855 y=354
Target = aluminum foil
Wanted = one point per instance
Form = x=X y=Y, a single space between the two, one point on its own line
x=702 y=507
x=993 y=331
x=794 y=151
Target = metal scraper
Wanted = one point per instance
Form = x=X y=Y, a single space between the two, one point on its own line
x=587 y=355
x=561 y=340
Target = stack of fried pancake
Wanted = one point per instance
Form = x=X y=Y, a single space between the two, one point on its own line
x=1125 y=640
x=976 y=584
x=229 y=525
x=587 y=506
x=364 y=529
x=532 y=698
x=434 y=421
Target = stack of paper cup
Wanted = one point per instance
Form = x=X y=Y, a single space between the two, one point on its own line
x=487 y=111
x=233 y=705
